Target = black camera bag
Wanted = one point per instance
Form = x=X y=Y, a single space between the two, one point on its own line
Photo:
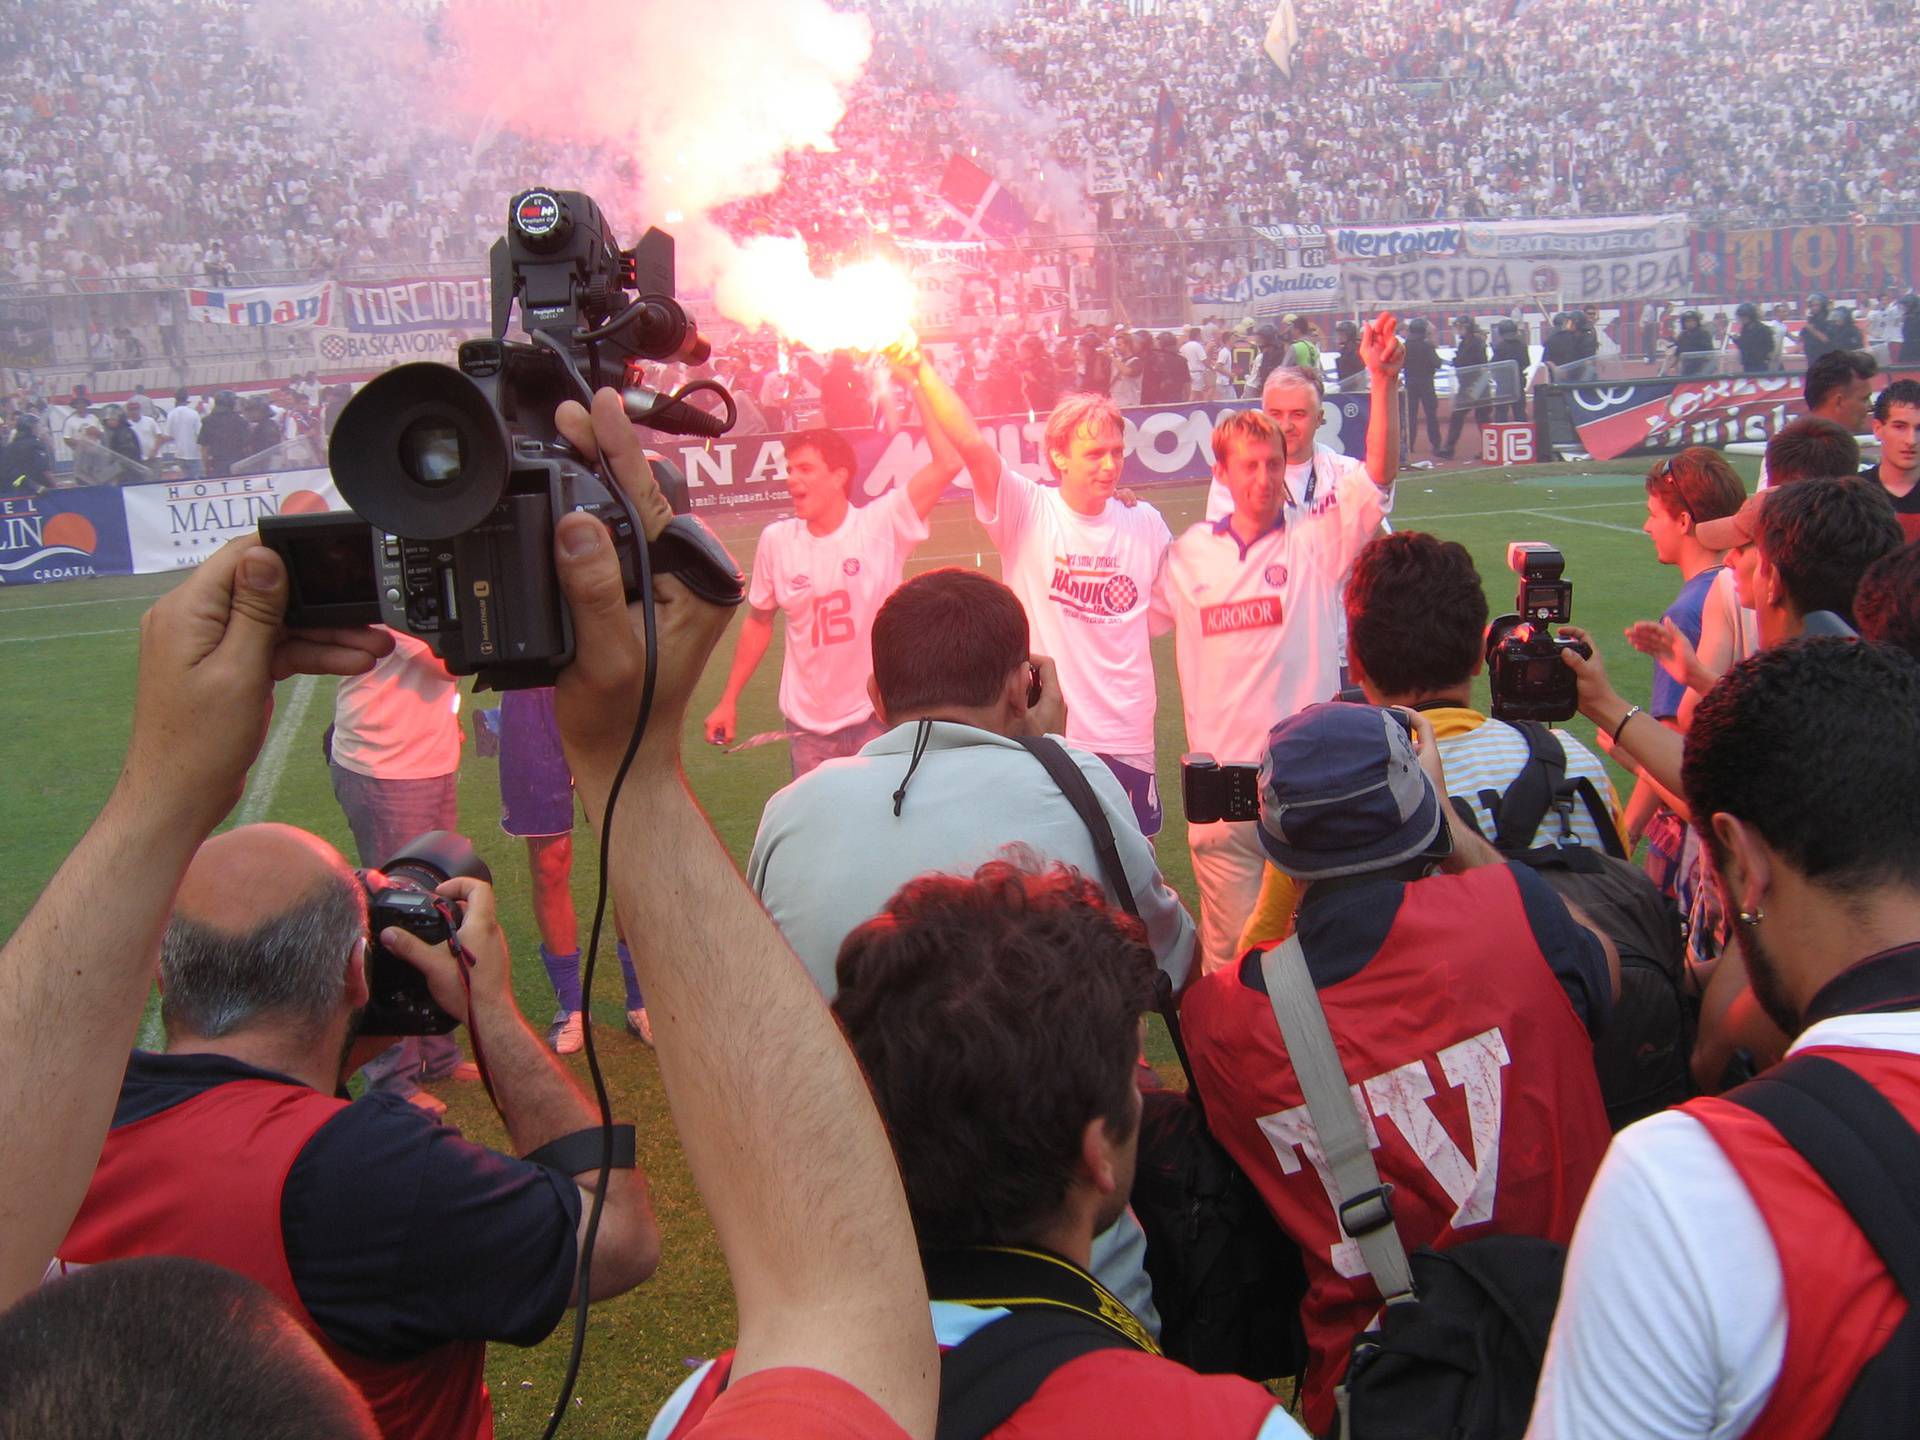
x=1644 y=1060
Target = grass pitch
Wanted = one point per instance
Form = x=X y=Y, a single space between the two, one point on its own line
x=67 y=653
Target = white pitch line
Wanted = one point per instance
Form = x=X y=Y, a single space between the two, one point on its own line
x=67 y=635
x=1576 y=520
x=273 y=755
x=76 y=604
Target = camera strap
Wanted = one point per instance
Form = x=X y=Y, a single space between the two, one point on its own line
x=463 y=967
x=1079 y=792
x=581 y=1150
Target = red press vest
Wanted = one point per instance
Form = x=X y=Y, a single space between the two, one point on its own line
x=203 y=1179
x=1842 y=1304
x=1107 y=1395
x=1472 y=1070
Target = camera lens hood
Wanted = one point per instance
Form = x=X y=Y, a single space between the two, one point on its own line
x=420 y=453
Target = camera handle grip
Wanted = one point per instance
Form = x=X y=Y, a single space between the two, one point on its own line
x=689 y=551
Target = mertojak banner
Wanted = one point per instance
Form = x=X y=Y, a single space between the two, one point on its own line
x=747 y=475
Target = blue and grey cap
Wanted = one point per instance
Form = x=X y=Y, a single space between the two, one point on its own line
x=1342 y=793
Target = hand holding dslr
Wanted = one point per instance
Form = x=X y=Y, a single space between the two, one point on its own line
x=490 y=977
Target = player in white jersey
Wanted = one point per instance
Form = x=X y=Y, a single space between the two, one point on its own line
x=1084 y=567
x=828 y=569
x=1253 y=596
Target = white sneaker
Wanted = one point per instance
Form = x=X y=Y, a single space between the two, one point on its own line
x=565 y=1034
x=639 y=1026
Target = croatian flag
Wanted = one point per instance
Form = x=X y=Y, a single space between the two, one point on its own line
x=980 y=204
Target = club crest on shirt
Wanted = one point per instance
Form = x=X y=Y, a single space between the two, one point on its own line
x=850 y=566
x=1275 y=575
x=1091 y=587
x=800 y=582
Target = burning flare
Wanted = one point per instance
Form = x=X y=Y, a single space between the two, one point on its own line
x=863 y=306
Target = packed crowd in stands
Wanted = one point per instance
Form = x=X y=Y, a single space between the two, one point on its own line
x=158 y=140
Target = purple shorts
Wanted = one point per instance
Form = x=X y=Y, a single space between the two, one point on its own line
x=536 y=787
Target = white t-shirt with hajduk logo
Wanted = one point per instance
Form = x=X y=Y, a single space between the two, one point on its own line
x=1085 y=582
x=831 y=587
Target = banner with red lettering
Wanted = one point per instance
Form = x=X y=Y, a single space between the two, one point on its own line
x=284 y=307
x=1659 y=416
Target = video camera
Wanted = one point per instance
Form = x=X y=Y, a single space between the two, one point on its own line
x=1210 y=791
x=1528 y=678
x=458 y=477
x=403 y=894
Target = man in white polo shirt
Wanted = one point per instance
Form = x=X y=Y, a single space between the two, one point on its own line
x=1084 y=568
x=1253 y=596
x=828 y=568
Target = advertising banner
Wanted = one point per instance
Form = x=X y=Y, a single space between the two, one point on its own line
x=285 y=307
x=1794 y=259
x=175 y=524
x=1573 y=239
x=1654 y=417
x=396 y=307
x=342 y=349
x=63 y=535
x=1165 y=444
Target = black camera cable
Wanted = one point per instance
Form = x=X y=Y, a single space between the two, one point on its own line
x=649 y=625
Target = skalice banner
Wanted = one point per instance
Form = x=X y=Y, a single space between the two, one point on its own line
x=1654 y=276
x=284 y=307
x=1271 y=292
x=63 y=535
x=1165 y=444
x=1573 y=239
x=175 y=524
x=1661 y=416
x=394 y=307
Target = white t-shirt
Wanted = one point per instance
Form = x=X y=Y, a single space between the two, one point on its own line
x=1672 y=1320
x=1257 y=628
x=183 y=428
x=1086 y=583
x=1327 y=467
x=1195 y=354
x=831 y=587
x=148 y=429
x=400 y=720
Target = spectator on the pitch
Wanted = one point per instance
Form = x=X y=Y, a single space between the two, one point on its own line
x=145 y=427
x=1514 y=984
x=1713 y=1276
x=1896 y=425
x=1886 y=606
x=1021 y=990
x=183 y=1347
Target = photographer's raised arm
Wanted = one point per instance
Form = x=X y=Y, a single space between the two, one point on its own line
x=778 y=1127
x=1652 y=745
x=539 y=1101
x=75 y=975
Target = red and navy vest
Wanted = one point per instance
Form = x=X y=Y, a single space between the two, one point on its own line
x=204 y=1179
x=1471 y=1069
x=1842 y=1304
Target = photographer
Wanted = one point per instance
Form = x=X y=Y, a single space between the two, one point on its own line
x=402 y=1247
x=1460 y=991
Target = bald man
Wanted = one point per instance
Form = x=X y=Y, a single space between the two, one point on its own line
x=402 y=1247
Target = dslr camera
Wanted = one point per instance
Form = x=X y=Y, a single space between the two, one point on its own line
x=456 y=475
x=401 y=894
x=1210 y=791
x=1524 y=669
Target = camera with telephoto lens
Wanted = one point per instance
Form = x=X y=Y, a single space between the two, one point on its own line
x=457 y=476
x=1528 y=678
x=1210 y=791
x=401 y=894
